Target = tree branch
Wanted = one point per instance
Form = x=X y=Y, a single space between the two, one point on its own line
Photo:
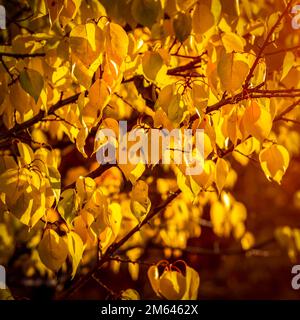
x=295 y=48
x=208 y=251
x=114 y=247
x=265 y=44
x=191 y=65
x=27 y=124
x=93 y=174
x=287 y=110
x=289 y=120
x=22 y=55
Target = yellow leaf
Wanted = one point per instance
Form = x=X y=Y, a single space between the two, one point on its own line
x=274 y=161
x=172 y=285
x=82 y=74
x=80 y=140
x=130 y=294
x=87 y=43
x=257 y=121
x=53 y=250
x=140 y=204
x=206 y=177
x=222 y=170
x=67 y=206
x=82 y=224
x=54 y=179
x=232 y=72
x=192 y=284
x=288 y=64
x=111 y=227
x=132 y=172
x=52 y=215
x=118 y=40
x=203 y=19
x=76 y=248
x=85 y=187
x=26 y=153
x=152 y=62
x=176 y=109
x=99 y=95
x=247 y=241
x=218 y=216
x=232 y=42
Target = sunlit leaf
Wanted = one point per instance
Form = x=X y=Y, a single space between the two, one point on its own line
x=53 y=250
x=274 y=161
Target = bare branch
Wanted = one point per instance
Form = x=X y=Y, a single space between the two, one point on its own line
x=118 y=259
x=295 y=48
x=287 y=110
x=22 y=55
x=289 y=120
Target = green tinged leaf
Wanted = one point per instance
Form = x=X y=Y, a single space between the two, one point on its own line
x=32 y=82
x=53 y=250
x=54 y=178
x=182 y=26
x=146 y=12
x=76 y=248
x=67 y=205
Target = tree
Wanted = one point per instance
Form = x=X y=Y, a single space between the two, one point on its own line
x=72 y=68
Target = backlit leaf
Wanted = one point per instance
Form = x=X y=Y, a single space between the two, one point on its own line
x=274 y=161
x=32 y=82
x=53 y=250
x=76 y=248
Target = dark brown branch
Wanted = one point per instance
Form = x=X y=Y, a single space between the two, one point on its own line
x=289 y=120
x=210 y=251
x=114 y=247
x=93 y=174
x=278 y=91
x=295 y=48
x=287 y=110
x=191 y=65
x=22 y=55
x=27 y=124
x=109 y=290
x=118 y=259
x=6 y=68
x=266 y=43
x=229 y=251
x=252 y=94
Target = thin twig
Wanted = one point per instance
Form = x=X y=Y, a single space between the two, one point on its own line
x=289 y=120
x=139 y=262
x=265 y=44
x=114 y=247
x=109 y=290
x=287 y=110
x=22 y=55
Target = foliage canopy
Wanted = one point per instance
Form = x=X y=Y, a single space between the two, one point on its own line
x=69 y=68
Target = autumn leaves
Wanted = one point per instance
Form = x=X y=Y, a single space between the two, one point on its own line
x=158 y=65
x=175 y=281
x=29 y=185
